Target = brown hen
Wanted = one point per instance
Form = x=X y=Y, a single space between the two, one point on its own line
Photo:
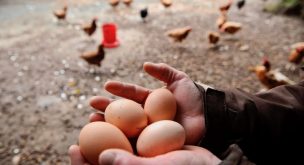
x=127 y=2
x=94 y=57
x=114 y=3
x=179 y=34
x=224 y=8
x=166 y=3
x=270 y=78
x=90 y=28
x=231 y=27
x=221 y=20
x=297 y=54
x=61 y=13
x=213 y=37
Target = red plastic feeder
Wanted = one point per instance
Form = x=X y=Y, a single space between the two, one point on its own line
x=109 y=35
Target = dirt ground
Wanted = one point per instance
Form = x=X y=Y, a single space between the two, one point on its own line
x=45 y=86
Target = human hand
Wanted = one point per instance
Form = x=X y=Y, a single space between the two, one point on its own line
x=190 y=112
x=191 y=155
x=190 y=109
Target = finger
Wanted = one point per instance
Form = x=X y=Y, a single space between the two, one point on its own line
x=192 y=148
x=117 y=156
x=128 y=91
x=179 y=157
x=189 y=155
x=233 y=153
x=75 y=156
x=163 y=72
x=96 y=117
x=99 y=102
x=196 y=149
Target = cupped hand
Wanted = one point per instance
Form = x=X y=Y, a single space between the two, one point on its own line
x=191 y=155
x=190 y=111
x=190 y=114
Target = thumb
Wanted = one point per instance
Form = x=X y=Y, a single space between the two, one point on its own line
x=191 y=155
x=75 y=156
x=120 y=157
x=163 y=72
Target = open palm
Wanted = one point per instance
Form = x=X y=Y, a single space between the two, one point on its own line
x=190 y=112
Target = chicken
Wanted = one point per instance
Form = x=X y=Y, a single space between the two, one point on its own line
x=213 y=37
x=296 y=56
x=240 y=4
x=61 y=13
x=94 y=57
x=224 y=8
x=114 y=3
x=179 y=34
x=297 y=53
x=90 y=28
x=144 y=13
x=270 y=78
x=221 y=20
x=231 y=27
x=166 y=3
x=298 y=45
x=127 y=2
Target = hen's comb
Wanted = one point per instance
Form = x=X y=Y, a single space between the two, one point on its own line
x=266 y=63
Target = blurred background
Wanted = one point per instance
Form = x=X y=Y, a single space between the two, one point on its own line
x=52 y=62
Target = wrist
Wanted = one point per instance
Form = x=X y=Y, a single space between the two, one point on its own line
x=202 y=89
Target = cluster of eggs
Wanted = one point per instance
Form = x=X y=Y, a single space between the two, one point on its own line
x=151 y=126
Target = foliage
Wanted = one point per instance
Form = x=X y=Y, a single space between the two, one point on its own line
x=289 y=7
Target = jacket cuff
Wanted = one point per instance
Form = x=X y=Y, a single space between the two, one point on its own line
x=215 y=121
x=224 y=124
x=214 y=111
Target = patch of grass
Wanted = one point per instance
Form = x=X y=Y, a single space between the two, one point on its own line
x=289 y=7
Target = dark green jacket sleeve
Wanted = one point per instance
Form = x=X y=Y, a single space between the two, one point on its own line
x=268 y=127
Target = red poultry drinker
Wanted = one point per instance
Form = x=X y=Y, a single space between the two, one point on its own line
x=109 y=35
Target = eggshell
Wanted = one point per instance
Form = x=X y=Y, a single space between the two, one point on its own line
x=160 y=105
x=127 y=115
x=98 y=136
x=160 y=137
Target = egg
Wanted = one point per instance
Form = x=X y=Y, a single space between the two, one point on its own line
x=127 y=115
x=160 y=105
x=98 y=136
x=160 y=137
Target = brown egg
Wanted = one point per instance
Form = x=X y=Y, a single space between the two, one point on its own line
x=127 y=115
x=160 y=137
x=160 y=105
x=96 y=137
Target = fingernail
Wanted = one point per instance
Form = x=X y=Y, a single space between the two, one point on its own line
x=107 y=158
x=148 y=63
